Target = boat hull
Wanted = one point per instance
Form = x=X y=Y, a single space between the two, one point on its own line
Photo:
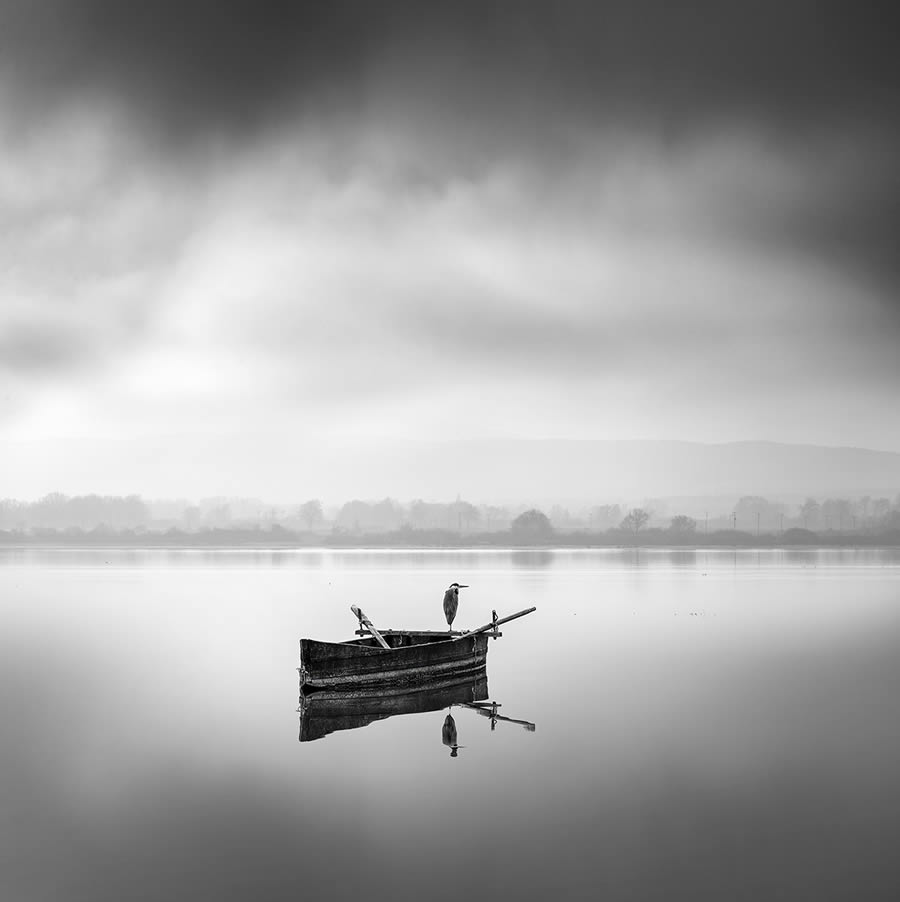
x=412 y=658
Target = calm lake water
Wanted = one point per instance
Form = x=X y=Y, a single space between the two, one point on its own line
x=708 y=725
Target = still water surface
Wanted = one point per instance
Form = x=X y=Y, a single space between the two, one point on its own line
x=707 y=725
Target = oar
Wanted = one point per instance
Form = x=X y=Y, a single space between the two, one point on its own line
x=495 y=623
x=369 y=626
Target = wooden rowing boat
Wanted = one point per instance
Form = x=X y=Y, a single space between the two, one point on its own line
x=396 y=657
x=410 y=657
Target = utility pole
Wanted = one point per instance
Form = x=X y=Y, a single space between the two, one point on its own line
x=734 y=521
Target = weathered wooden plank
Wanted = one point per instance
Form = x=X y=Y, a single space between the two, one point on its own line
x=405 y=676
x=370 y=626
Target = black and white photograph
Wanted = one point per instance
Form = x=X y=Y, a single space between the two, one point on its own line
x=449 y=450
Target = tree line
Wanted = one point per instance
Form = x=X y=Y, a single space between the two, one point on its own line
x=752 y=515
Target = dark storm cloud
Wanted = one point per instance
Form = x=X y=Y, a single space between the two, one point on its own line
x=189 y=68
x=855 y=220
x=462 y=87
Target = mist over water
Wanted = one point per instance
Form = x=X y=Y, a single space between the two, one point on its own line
x=707 y=725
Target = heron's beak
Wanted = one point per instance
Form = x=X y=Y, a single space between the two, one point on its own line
x=463 y=587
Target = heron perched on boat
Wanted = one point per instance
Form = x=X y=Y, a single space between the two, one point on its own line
x=451 y=602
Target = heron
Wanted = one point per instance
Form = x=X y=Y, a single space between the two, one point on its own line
x=451 y=602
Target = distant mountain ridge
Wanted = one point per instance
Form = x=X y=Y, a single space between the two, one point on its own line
x=549 y=469
x=508 y=471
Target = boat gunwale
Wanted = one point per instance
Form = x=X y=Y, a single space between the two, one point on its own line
x=361 y=642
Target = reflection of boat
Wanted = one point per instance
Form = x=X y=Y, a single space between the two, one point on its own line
x=327 y=711
x=449 y=736
x=489 y=710
x=395 y=657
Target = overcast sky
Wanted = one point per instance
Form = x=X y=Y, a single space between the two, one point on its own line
x=337 y=222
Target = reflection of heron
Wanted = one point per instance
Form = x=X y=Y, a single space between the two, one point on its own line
x=451 y=602
x=448 y=735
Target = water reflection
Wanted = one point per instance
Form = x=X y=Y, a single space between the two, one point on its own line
x=329 y=711
x=532 y=559
x=449 y=560
x=449 y=735
x=490 y=711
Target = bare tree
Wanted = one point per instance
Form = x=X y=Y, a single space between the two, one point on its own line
x=809 y=511
x=466 y=514
x=311 y=513
x=635 y=520
x=880 y=509
x=495 y=517
x=605 y=516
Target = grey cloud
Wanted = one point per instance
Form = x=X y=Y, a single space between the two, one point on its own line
x=836 y=200
x=436 y=92
x=192 y=66
x=28 y=348
x=88 y=231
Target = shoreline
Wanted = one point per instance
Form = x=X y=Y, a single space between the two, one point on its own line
x=507 y=548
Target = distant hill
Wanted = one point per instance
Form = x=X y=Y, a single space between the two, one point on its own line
x=285 y=469
x=595 y=470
